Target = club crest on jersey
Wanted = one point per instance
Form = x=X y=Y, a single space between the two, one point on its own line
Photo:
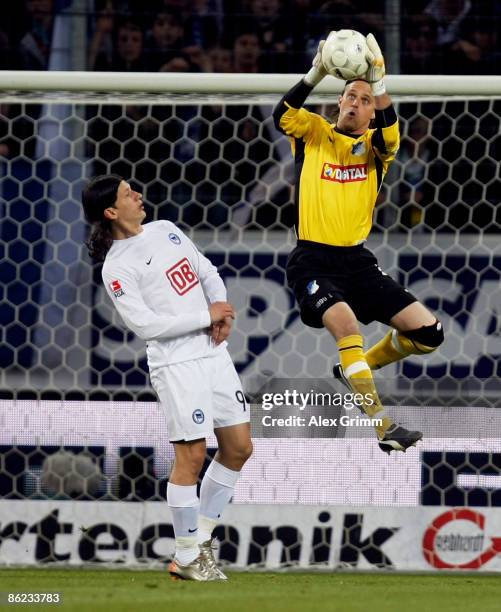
x=358 y=148
x=174 y=238
x=198 y=416
x=312 y=287
x=116 y=287
x=344 y=174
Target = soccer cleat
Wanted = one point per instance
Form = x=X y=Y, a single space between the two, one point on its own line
x=196 y=570
x=397 y=438
x=338 y=373
x=207 y=549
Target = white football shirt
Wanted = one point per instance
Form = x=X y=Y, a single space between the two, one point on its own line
x=161 y=286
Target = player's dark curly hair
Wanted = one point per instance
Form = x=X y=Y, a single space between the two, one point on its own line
x=99 y=194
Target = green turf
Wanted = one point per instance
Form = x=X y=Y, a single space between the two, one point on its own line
x=148 y=591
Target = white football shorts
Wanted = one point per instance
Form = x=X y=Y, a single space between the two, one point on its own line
x=199 y=395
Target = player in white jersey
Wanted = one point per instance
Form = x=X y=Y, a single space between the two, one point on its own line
x=172 y=297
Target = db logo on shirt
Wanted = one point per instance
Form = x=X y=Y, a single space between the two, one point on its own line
x=182 y=277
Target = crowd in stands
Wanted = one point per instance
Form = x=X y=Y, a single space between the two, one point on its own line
x=437 y=36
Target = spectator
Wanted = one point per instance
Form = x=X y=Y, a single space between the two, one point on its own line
x=417 y=152
x=484 y=33
x=5 y=52
x=5 y=138
x=101 y=43
x=273 y=31
x=15 y=24
x=419 y=48
x=449 y=15
x=176 y=64
x=220 y=59
x=198 y=58
x=247 y=52
x=300 y=27
x=474 y=52
x=237 y=181
x=34 y=48
x=127 y=54
x=179 y=63
x=180 y=7
x=165 y=40
x=202 y=28
x=372 y=19
x=334 y=15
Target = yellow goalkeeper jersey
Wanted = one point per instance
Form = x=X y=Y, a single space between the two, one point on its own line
x=337 y=176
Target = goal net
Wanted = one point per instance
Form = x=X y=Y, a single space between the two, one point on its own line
x=79 y=419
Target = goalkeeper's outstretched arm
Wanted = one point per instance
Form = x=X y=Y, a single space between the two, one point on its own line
x=386 y=137
x=376 y=73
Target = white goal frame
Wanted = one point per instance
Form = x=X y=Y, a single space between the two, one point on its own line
x=218 y=83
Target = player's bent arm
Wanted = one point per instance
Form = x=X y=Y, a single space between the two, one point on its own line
x=288 y=116
x=143 y=321
x=382 y=101
x=212 y=283
x=386 y=137
x=213 y=287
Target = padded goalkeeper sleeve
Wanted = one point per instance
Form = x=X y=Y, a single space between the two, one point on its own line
x=386 y=117
x=294 y=98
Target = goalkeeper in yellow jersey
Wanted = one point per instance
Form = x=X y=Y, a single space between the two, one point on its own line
x=339 y=169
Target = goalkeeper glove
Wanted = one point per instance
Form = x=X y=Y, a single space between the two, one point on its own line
x=376 y=72
x=317 y=71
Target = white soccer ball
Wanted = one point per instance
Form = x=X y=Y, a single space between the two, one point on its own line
x=344 y=54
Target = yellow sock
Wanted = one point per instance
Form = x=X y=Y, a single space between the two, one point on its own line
x=356 y=369
x=383 y=353
x=393 y=347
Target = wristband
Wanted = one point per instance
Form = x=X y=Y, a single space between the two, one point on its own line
x=378 y=88
x=313 y=77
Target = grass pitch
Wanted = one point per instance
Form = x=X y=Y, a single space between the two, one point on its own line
x=122 y=590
